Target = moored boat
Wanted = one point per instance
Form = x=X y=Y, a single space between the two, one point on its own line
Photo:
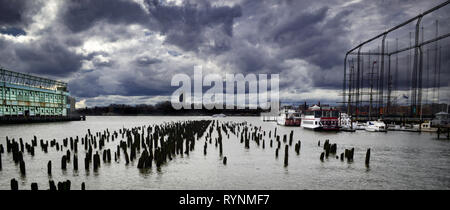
x=318 y=118
x=289 y=117
x=376 y=126
x=426 y=127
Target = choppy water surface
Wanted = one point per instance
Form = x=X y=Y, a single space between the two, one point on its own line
x=399 y=160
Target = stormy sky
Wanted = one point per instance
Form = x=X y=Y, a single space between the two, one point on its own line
x=126 y=51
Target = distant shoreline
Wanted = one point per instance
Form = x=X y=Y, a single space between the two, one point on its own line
x=193 y=115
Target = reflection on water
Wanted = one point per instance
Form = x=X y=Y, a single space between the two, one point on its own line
x=399 y=160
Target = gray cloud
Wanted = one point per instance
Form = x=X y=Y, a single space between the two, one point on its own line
x=133 y=48
x=80 y=15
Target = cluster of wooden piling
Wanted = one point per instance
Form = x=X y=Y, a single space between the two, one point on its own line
x=348 y=154
x=157 y=145
x=61 y=186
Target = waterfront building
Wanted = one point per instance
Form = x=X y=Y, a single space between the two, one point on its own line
x=23 y=95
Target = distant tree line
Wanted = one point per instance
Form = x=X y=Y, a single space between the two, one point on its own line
x=163 y=108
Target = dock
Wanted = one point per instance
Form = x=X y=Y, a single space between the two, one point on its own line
x=39 y=119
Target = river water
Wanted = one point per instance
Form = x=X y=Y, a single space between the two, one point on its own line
x=399 y=160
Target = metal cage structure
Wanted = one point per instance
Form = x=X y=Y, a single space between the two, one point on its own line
x=30 y=80
x=385 y=81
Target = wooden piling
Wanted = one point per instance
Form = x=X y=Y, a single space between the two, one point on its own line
x=96 y=161
x=68 y=156
x=49 y=167
x=14 y=184
x=286 y=155
x=52 y=185
x=86 y=163
x=63 y=162
x=34 y=186
x=368 y=157
x=75 y=162
x=291 y=136
x=22 y=167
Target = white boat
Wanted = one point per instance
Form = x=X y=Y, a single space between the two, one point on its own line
x=346 y=123
x=359 y=125
x=376 y=126
x=393 y=127
x=289 y=117
x=441 y=119
x=426 y=127
x=316 y=118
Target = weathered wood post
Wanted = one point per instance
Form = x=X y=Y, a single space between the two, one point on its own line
x=86 y=163
x=60 y=186
x=68 y=156
x=14 y=184
x=96 y=161
x=49 y=167
x=368 y=157
x=291 y=136
x=286 y=155
x=52 y=185
x=63 y=162
x=22 y=167
x=34 y=186
x=75 y=162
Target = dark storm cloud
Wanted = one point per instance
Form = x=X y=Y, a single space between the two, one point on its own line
x=48 y=57
x=86 y=85
x=304 y=41
x=18 y=13
x=185 y=25
x=12 y=11
x=80 y=15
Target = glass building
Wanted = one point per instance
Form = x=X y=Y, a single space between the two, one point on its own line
x=24 y=95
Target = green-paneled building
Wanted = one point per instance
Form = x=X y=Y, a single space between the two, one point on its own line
x=26 y=95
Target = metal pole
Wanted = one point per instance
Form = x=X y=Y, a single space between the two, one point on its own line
x=358 y=84
x=371 y=84
x=344 y=87
x=396 y=67
x=439 y=75
x=435 y=64
x=416 y=72
x=419 y=98
x=381 y=76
